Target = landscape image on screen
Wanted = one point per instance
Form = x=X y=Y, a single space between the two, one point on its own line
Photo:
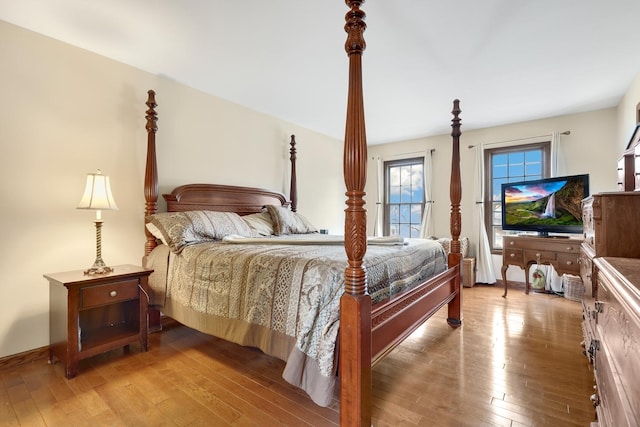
x=556 y=203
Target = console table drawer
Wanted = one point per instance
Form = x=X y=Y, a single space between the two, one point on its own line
x=513 y=255
x=110 y=293
x=569 y=262
x=543 y=255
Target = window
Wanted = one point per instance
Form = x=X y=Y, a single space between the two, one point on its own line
x=404 y=197
x=510 y=164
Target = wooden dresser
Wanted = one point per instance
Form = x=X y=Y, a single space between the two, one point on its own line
x=610 y=270
x=610 y=229
x=524 y=251
x=617 y=345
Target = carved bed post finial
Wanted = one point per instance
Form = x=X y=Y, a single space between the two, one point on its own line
x=293 y=189
x=151 y=169
x=455 y=189
x=355 y=27
x=355 y=304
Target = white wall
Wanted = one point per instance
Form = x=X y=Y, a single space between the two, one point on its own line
x=66 y=112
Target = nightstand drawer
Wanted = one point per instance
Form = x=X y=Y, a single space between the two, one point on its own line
x=107 y=294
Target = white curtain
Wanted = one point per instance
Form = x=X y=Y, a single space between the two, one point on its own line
x=378 y=226
x=427 y=227
x=485 y=273
x=558 y=168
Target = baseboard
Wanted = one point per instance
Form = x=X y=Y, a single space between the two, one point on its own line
x=17 y=359
x=14 y=360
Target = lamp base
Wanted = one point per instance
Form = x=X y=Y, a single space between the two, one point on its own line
x=98 y=267
x=93 y=271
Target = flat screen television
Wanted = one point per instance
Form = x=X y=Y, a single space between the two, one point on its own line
x=550 y=205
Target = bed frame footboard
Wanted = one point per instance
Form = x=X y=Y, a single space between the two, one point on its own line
x=394 y=320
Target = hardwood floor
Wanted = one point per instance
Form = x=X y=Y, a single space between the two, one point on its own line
x=514 y=362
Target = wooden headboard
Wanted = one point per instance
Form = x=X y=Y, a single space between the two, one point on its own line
x=227 y=198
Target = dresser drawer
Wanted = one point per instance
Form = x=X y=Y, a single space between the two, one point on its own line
x=586 y=270
x=107 y=294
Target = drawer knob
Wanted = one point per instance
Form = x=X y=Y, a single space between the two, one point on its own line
x=113 y=293
x=512 y=255
x=569 y=262
x=512 y=243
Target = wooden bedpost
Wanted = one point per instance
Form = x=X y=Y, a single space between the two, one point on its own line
x=293 y=189
x=455 y=194
x=151 y=193
x=355 y=304
x=151 y=169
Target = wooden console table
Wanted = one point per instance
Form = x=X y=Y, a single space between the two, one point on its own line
x=523 y=251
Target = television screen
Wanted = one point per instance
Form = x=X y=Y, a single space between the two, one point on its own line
x=551 y=205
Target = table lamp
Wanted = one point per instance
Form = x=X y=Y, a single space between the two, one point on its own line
x=97 y=196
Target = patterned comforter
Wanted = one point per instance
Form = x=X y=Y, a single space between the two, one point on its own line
x=284 y=299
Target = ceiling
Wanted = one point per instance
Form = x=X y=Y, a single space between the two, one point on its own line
x=506 y=60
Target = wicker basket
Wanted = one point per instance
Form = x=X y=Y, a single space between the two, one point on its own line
x=468 y=272
x=573 y=287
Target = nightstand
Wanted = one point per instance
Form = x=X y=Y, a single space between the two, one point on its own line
x=91 y=314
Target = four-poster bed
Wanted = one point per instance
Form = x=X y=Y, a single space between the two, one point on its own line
x=367 y=329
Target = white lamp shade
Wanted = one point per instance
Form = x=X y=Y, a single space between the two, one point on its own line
x=97 y=193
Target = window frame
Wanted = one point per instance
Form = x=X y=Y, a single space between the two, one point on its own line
x=489 y=201
x=387 y=165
